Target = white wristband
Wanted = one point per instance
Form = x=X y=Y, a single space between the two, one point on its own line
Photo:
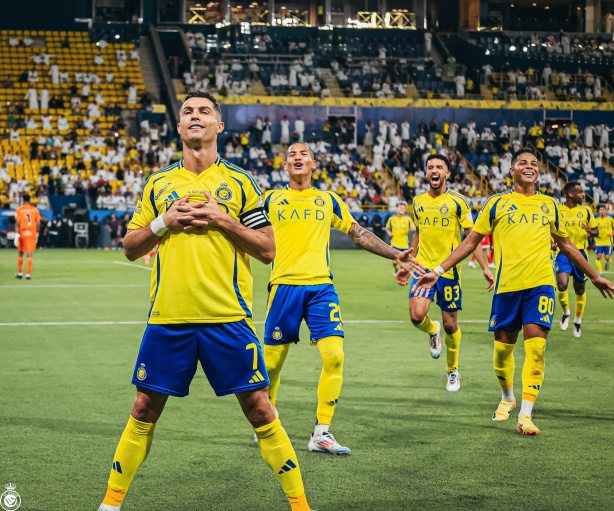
x=439 y=271
x=158 y=227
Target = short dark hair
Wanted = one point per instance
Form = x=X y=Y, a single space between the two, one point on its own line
x=569 y=185
x=206 y=95
x=520 y=151
x=311 y=153
x=26 y=197
x=437 y=157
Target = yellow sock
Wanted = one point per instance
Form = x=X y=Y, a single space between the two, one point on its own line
x=131 y=452
x=563 y=297
x=580 y=304
x=453 y=345
x=503 y=361
x=599 y=267
x=533 y=368
x=279 y=454
x=274 y=358
x=331 y=379
x=427 y=325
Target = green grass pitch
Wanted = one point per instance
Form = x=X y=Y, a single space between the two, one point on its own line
x=65 y=397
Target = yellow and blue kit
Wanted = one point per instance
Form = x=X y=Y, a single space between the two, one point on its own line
x=400 y=228
x=603 y=242
x=524 y=287
x=301 y=282
x=439 y=221
x=573 y=219
x=201 y=287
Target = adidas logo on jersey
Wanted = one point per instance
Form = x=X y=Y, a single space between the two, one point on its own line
x=512 y=208
x=171 y=198
x=284 y=202
x=257 y=378
x=545 y=318
x=289 y=465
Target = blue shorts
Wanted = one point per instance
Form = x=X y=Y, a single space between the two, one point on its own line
x=511 y=311
x=449 y=293
x=564 y=265
x=288 y=305
x=229 y=354
x=605 y=249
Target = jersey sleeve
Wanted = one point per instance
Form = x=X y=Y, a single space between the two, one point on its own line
x=466 y=220
x=592 y=223
x=556 y=226
x=486 y=219
x=144 y=211
x=389 y=223
x=254 y=214
x=342 y=219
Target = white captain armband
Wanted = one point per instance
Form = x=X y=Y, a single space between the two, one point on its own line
x=255 y=218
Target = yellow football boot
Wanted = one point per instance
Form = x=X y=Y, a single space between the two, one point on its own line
x=503 y=410
x=526 y=426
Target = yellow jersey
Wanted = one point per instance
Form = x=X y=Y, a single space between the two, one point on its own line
x=302 y=222
x=400 y=228
x=199 y=275
x=606 y=226
x=521 y=228
x=573 y=220
x=439 y=221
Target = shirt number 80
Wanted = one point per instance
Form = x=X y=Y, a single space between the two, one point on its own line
x=546 y=304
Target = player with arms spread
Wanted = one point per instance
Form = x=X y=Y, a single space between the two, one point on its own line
x=27 y=225
x=522 y=222
x=603 y=242
x=208 y=217
x=440 y=215
x=578 y=220
x=301 y=284
x=398 y=227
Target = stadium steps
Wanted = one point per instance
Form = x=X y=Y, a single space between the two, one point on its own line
x=331 y=82
x=486 y=91
x=151 y=76
x=257 y=88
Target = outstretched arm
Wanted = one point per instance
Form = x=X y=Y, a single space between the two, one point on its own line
x=370 y=242
x=479 y=255
x=571 y=251
x=467 y=246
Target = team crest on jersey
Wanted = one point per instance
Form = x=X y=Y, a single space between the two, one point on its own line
x=141 y=374
x=223 y=192
x=277 y=334
x=493 y=321
x=319 y=201
x=545 y=209
x=579 y=214
x=444 y=209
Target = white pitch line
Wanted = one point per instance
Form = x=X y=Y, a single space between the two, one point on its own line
x=28 y=286
x=77 y=323
x=134 y=265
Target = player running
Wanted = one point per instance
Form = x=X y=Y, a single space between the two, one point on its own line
x=398 y=227
x=603 y=242
x=440 y=215
x=27 y=225
x=301 y=284
x=579 y=222
x=201 y=297
x=522 y=222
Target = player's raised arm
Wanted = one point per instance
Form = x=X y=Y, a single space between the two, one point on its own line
x=573 y=253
